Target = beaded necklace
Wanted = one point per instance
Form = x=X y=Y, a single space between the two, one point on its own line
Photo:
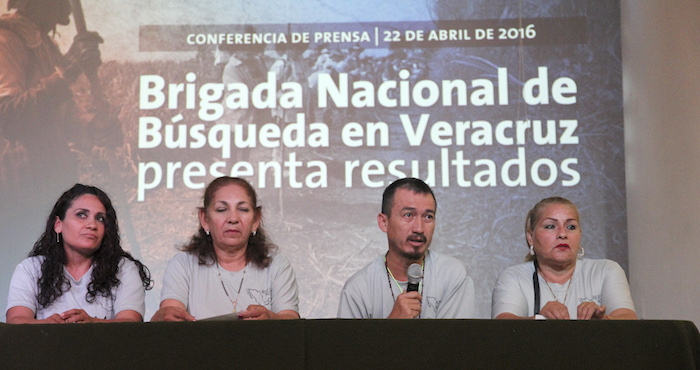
x=390 y=276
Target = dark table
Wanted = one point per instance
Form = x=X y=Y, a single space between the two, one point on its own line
x=374 y=344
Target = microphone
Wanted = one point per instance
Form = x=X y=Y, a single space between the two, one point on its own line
x=415 y=274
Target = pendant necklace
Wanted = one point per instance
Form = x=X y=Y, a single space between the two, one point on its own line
x=238 y=293
x=554 y=295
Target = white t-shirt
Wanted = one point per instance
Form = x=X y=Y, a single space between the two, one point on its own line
x=601 y=281
x=447 y=290
x=129 y=295
x=199 y=288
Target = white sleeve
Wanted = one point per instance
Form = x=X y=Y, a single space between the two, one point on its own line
x=176 y=280
x=130 y=294
x=23 y=286
x=508 y=296
x=350 y=306
x=616 y=290
x=284 y=288
x=458 y=300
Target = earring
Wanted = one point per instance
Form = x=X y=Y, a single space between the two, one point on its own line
x=206 y=232
x=532 y=250
x=581 y=252
x=255 y=232
x=58 y=238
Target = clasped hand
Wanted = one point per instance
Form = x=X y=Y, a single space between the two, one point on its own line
x=71 y=317
x=585 y=311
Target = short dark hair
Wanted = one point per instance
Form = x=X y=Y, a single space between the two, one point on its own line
x=410 y=183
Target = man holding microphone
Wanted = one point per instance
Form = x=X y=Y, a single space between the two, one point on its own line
x=436 y=286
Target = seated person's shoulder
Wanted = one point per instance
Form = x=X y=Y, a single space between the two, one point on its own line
x=184 y=258
x=600 y=265
x=277 y=258
x=31 y=265
x=363 y=276
x=521 y=270
x=448 y=264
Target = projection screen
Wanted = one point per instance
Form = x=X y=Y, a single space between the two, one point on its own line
x=496 y=105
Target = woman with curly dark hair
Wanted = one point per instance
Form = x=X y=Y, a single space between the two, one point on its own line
x=229 y=264
x=77 y=271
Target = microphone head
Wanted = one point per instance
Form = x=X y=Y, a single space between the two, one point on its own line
x=415 y=273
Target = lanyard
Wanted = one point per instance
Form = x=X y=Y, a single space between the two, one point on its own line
x=390 y=276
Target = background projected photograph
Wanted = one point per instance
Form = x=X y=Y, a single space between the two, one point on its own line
x=320 y=105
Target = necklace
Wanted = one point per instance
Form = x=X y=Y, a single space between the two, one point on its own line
x=554 y=295
x=390 y=276
x=238 y=293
